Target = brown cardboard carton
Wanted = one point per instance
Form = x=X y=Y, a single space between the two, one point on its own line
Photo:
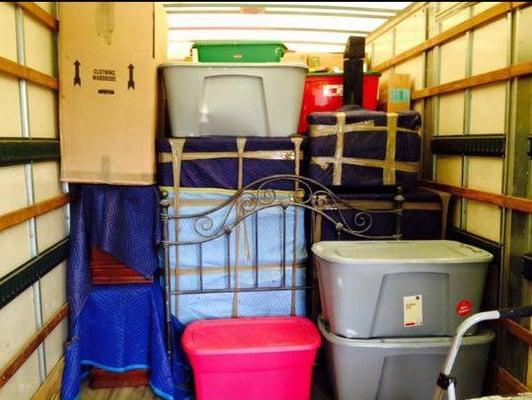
x=395 y=92
x=317 y=62
x=109 y=53
x=325 y=62
x=292 y=57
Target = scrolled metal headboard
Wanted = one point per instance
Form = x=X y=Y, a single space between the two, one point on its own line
x=248 y=202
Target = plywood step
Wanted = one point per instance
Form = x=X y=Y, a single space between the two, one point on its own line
x=108 y=270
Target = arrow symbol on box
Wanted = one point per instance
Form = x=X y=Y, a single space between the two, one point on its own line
x=131 y=82
x=77 y=78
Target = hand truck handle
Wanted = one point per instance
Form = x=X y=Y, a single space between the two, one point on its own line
x=516 y=312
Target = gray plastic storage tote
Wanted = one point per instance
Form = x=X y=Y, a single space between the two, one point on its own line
x=234 y=99
x=399 y=288
x=404 y=368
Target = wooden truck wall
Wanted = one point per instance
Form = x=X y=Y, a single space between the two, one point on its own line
x=33 y=208
x=471 y=65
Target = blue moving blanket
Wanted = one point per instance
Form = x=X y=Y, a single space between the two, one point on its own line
x=117 y=328
x=121 y=328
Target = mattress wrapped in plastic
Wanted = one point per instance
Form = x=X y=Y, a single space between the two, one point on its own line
x=211 y=170
x=364 y=148
x=424 y=215
x=229 y=260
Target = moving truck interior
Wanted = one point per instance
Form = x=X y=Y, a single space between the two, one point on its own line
x=265 y=200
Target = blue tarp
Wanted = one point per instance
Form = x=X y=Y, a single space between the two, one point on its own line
x=118 y=328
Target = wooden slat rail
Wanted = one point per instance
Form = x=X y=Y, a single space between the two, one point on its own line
x=504 y=383
x=514 y=203
x=517 y=330
x=22 y=72
x=491 y=14
x=39 y=14
x=487 y=78
x=19 y=359
x=18 y=216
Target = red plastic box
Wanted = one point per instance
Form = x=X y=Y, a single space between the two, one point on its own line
x=323 y=92
x=370 y=90
x=252 y=358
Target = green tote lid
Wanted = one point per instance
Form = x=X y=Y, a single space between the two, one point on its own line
x=239 y=50
x=200 y=43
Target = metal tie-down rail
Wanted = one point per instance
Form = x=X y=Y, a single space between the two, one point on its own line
x=307 y=194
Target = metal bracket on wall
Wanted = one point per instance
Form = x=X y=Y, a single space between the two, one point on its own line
x=470 y=145
x=477 y=241
x=527 y=266
x=22 y=151
x=24 y=276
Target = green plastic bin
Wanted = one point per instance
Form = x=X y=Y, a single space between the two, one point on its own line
x=239 y=51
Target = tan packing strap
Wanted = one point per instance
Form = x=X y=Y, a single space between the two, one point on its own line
x=241 y=145
x=177 y=146
x=297 y=148
x=288 y=155
x=194 y=271
x=445 y=201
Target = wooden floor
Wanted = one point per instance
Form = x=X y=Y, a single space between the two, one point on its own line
x=319 y=392
x=142 y=393
x=128 y=393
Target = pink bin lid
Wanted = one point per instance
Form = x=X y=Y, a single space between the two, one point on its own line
x=250 y=335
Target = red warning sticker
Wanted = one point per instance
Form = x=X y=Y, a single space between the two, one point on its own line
x=464 y=307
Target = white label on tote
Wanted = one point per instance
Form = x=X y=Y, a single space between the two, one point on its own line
x=413 y=311
x=332 y=90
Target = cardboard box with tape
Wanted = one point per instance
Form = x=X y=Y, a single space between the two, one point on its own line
x=292 y=56
x=109 y=53
x=395 y=92
x=325 y=62
x=317 y=62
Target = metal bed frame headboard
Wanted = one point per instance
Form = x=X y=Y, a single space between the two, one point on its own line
x=307 y=194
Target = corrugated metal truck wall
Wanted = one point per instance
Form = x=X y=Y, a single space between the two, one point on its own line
x=33 y=207
x=471 y=65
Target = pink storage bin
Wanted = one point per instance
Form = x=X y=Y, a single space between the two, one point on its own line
x=252 y=358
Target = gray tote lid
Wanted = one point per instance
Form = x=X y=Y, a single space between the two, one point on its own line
x=400 y=252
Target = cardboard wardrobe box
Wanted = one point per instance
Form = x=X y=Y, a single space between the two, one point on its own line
x=395 y=92
x=109 y=53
